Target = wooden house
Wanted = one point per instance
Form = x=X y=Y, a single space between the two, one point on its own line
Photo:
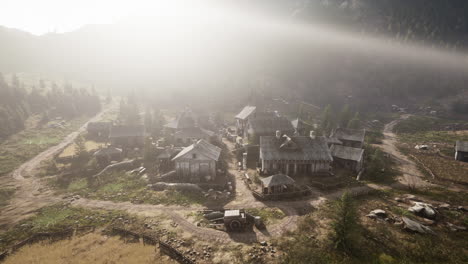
x=266 y=124
x=294 y=155
x=461 y=151
x=197 y=162
x=347 y=157
x=184 y=120
x=98 y=129
x=242 y=118
x=131 y=136
x=349 y=137
x=187 y=136
x=277 y=184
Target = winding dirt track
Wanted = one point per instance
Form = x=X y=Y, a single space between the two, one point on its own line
x=32 y=195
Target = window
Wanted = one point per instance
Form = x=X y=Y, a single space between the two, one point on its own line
x=194 y=156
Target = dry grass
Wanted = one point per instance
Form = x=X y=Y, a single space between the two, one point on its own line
x=91 y=248
x=70 y=150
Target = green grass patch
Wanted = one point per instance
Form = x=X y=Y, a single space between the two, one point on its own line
x=28 y=143
x=5 y=195
x=268 y=215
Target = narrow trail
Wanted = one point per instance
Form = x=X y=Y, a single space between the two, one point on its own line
x=32 y=195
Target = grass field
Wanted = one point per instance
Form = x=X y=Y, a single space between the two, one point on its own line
x=5 y=194
x=90 y=146
x=90 y=248
x=439 y=159
x=122 y=187
x=33 y=140
x=56 y=218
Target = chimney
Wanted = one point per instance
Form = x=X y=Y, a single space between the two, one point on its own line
x=278 y=134
x=312 y=134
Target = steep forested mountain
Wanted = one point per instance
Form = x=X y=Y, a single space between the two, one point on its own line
x=18 y=102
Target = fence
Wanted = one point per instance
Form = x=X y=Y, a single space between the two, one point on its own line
x=174 y=253
x=279 y=196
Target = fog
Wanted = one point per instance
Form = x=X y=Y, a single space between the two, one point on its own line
x=219 y=50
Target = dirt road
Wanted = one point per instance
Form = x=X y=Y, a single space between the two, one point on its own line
x=410 y=174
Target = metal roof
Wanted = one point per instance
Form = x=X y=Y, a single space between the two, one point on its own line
x=184 y=120
x=461 y=146
x=194 y=132
x=108 y=151
x=99 y=125
x=347 y=153
x=127 y=131
x=246 y=112
x=269 y=123
x=204 y=148
x=349 y=134
x=334 y=140
x=276 y=180
x=302 y=148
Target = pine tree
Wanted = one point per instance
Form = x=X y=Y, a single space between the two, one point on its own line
x=345 y=223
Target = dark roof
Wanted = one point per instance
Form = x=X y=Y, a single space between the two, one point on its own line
x=276 y=180
x=269 y=123
x=347 y=153
x=99 y=125
x=294 y=148
x=127 y=131
x=194 y=132
x=349 y=134
x=108 y=151
x=186 y=119
x=246 y=112
x=461 y=146
x=204 y=148
x=334 y=140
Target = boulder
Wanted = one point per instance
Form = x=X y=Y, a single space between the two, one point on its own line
x=415 y=226
x=423 y=209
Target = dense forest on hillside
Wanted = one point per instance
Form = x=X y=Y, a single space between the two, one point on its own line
x=18 y=102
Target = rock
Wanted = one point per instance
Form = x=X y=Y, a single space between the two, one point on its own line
x=455 y=228
x=462 y=208
x=379 y=212
x=423 y=209
x=399 y=199
x=444 y=206
x=415 y=226
x=264 y=243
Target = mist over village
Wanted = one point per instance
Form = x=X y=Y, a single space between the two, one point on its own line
x=328 y=131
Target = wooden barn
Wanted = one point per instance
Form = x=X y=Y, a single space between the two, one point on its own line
x=461 y=151
x=294 y=155
x=349 y=137
x=106 y=155
x=347 y=157
x=197 y=162
x=131 y=136
x=184 y=120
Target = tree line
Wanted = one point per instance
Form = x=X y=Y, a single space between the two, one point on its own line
x=18 y=102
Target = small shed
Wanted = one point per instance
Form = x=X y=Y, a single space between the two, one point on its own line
x=461 y=151
x=279 y=183
x=347 y=157
x=106 y=155
x=127 y=135
x=349 y=137
x=242 y=117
